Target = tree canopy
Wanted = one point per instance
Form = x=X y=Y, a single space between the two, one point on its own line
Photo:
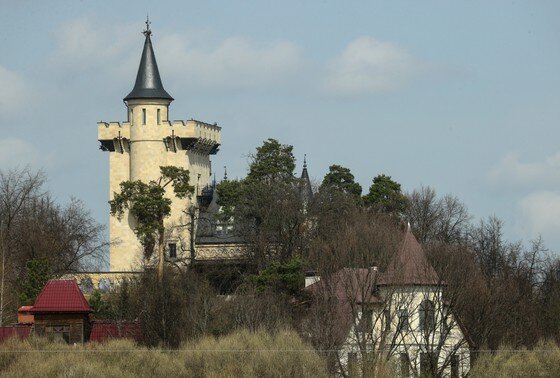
x=229 y=194
x=38 y=273
x=341 y=179
x=385 y=195
x=272 y=161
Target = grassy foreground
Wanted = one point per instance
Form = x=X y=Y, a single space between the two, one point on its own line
x=542 y=361
x=239 y=354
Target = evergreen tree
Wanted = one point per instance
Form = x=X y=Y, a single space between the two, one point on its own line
x=229 y=193
x=341 y=179
x=272 y=162
x=385 y=196
x=38 y=273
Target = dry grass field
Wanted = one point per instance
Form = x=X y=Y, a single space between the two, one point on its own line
x=242 y=353
x=541 y=361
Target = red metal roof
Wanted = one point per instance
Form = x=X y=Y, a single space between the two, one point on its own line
x=105 y=330
x=61 y=296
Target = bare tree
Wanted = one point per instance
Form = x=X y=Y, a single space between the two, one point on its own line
x=34 y=227
x=347 y=314
x=17 y=187
x=436 y=219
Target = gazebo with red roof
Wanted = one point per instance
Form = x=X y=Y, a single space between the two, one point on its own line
x=61 y=311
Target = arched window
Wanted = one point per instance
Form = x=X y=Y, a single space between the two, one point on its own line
x=427 y=316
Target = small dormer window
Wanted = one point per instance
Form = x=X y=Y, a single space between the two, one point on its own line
x=143 y=116
x=159 y=117
x=172 y=250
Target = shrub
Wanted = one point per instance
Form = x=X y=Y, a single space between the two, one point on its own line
x=259 y=354
x=542 y=361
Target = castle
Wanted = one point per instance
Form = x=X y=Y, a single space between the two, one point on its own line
x=144 y=142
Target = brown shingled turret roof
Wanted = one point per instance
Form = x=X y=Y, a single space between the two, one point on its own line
x=410 y=266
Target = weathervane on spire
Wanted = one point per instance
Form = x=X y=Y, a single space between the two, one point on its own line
x=225 y=173
x=304 y=160
x=147 y=32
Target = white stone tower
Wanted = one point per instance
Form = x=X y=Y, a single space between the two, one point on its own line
x=138 y=147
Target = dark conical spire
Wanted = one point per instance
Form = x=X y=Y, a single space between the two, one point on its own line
x=148 y=82
x=305 y=183
x=304 y=174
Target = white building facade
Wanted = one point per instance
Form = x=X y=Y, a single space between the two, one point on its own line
x=397 y=320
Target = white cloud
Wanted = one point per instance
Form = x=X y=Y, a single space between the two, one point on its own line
x=193 y=61
x=233 y=63
x=110 y=54
x=14 y=92
x=540 y=214
x=511 y=171
x=196 y=62
x=368 y=65
x=18 y=153
x=82 y=44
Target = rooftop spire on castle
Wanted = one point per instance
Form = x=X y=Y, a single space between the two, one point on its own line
x=305 y=183
x=148 y=82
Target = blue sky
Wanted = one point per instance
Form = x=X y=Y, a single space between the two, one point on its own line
x=462 y=95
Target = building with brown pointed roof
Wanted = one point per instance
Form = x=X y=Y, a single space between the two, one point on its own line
x=398 y=314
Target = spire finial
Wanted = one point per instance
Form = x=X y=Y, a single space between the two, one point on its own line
x=304 y=160
x=225 y=173
x=147 y=32
x=148 y=82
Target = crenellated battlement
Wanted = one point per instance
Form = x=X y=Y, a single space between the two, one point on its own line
x=177 y=122
x=198 y=136
x=110 y=130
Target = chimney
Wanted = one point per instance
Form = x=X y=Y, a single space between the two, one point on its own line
x=311 y=277
x=373 y=271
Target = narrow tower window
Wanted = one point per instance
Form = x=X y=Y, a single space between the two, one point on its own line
x=172 y=250
x=158 y=117
x=131 y=114
x=143 y=116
